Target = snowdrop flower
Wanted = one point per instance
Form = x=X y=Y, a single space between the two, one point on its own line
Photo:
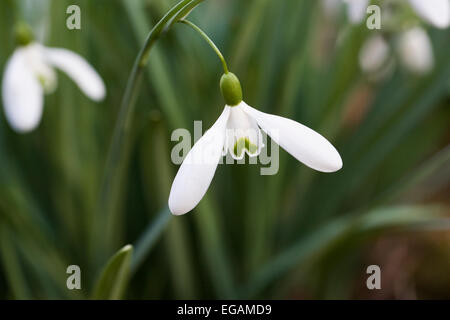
x=237 y=131
x=374 y=54
x=416 y=51
x=29 y=73
x=356 y=10
x=435 y=12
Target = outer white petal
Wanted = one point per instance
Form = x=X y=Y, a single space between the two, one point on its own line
x=416 y=51
x=303 y=143
x=436 y=12
x=356 y=10
x=198 y=168
x=373 y=54
x=22 y=93
x=77 y=68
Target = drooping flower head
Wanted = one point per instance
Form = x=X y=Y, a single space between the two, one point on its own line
x=238 y=131
x=29 y=73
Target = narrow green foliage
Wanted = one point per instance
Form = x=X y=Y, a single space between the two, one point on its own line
x=114 y=277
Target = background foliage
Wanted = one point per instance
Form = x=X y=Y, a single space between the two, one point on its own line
x=297 y=234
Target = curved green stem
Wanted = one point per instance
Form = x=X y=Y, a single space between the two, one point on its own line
x=117 y=157
x=209 y=41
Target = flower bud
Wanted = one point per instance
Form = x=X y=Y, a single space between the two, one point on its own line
x=231 y=89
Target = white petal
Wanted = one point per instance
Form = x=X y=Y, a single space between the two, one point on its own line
x=303 y=143
x=373 y=54
x=243 y=135
x=198 y=168
x=22 y=94
x=77 y=68
x=356 y=10
x=416 y=51
x=436 y=12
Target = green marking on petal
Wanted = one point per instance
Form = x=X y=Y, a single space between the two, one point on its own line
x=242 y=144
x=42 y=80
x=48 y=82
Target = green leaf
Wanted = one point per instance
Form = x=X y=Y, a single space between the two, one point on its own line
x=115 y=275
x=149 y=237
x=11 y=265
x=318 y=241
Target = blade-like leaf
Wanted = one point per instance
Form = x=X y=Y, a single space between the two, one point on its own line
x=114 y=277
x=419 y=217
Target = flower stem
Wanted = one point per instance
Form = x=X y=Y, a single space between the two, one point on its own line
x=117 y=158
x=209 y=41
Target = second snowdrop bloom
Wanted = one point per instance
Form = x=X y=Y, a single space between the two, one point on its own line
x=435 y=12
x=29 y=73
x=414 y=48
x=416 y=51
x=356 y=10
x=238 y=131
x=374 y=54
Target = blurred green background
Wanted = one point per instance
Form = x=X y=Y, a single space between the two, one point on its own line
x=298 y=234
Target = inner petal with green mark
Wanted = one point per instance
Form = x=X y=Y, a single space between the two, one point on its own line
x=243 y=135
x=45 y=73
x=244 y=144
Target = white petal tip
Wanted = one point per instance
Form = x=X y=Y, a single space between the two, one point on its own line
x=100 y=95
x=24 y=127
x=334 y=165
x=329 y=162
x=176 y=209
x=97 y=90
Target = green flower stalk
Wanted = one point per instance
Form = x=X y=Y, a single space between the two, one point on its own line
x=118 y=154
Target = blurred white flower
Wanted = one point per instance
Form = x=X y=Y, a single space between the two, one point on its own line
x=374 y=54
x=356 y=10
x=237 y=131
x=435 y=12
x=415 y=50
x=29 y=74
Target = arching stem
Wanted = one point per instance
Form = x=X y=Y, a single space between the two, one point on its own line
x=209 y=41
x=118 y=154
